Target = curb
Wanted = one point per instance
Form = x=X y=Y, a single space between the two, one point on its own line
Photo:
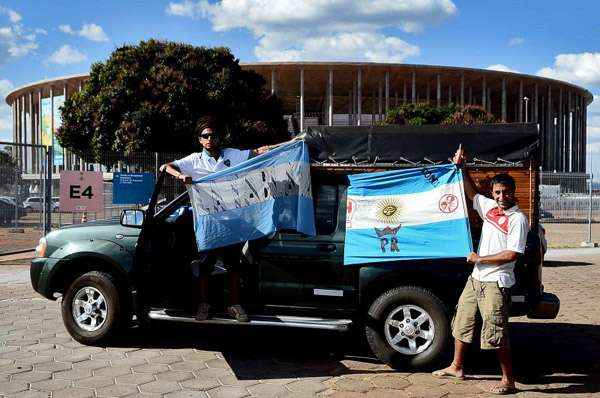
x=16 y=252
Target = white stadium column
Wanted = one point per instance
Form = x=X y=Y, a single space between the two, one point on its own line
x=380 y=102
x=301 y=100
x=359 y=98
x=483 y=94
x=387 y=91
x=330 y=98
x=273 y=83
x=462 y=90
x=503 y=99
x=439 y=91
x=521 y=101
x=414 y=88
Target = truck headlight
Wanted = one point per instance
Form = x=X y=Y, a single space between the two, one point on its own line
x=40 y=249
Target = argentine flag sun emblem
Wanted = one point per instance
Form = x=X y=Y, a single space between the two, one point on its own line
x=406 y=214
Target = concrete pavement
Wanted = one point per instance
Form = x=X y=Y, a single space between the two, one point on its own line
x=39 y=359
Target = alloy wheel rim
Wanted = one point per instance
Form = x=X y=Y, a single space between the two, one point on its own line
x=409 y=329
x=89 y=308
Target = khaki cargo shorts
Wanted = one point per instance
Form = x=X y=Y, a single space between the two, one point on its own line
x=493 y=304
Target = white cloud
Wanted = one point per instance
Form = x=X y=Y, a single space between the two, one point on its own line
x=5 y=112
x=93 y=32
x=13 y=16
x=593 y=125
x=90 y=31
x=66 y=29
x=501 y=68
x=516 y=41
x=322 y=29
x=16 y=41
x=371 y=47
x=581 y=68
x=67 y=55
x=184 y=9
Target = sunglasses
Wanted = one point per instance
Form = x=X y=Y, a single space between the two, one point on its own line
x=207 y=136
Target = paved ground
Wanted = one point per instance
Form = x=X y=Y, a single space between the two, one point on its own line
x=570 y=235
x=39 y=359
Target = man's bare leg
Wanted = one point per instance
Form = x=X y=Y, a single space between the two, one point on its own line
x=456 y=367
x=505 y=358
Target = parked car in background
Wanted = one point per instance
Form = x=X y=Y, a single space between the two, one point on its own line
x=36 y=203
x=7 y=211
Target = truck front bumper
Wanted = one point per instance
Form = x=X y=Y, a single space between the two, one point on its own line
x=546 y=308
x=38 y=273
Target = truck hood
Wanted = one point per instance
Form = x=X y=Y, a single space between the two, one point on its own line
x=111 y=231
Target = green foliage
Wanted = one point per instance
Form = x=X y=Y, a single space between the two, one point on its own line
x=419 y=114
x=10 y=172
x=148 y=97
x=470 y=114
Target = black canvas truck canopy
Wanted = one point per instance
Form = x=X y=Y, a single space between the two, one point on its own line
x=420 y=145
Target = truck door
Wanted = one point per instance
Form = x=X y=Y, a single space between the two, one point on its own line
x=308 y=271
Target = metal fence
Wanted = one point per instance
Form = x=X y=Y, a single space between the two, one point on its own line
x=22 y=192
x=569 y=208
x=27 y=212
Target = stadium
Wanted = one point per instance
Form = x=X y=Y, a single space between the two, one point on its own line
x=343 y=93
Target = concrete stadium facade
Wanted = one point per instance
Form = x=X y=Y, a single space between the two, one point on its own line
x=342 y=93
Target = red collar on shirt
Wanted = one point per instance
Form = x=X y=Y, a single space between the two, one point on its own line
x=499 y=218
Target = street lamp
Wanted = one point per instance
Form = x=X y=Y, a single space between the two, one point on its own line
x=526 y=99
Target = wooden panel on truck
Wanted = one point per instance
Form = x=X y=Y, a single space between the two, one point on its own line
x=526 y=182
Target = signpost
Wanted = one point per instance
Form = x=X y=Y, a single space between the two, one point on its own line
x=81 y=191
x=132 y=188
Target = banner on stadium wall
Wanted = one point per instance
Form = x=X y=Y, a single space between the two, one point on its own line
x=58 y=157
x=46 y=116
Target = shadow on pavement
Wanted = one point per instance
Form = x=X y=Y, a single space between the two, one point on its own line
x=263 y=352
x=566 y=263
x=543 y=353
x=548 y=353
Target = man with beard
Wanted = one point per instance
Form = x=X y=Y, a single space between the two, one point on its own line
x=487 y=291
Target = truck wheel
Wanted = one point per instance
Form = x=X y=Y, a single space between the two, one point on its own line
x=408 y=327
x=92 y=308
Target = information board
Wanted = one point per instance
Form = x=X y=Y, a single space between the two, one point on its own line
x=81 y=191
x=132 y=188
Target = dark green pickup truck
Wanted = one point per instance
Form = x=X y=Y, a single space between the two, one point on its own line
x=110 y=275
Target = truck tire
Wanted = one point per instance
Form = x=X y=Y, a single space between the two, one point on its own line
x=421 y=342
x=92 y=308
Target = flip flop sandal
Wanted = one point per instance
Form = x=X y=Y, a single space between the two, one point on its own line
x=444 y=374
x=499 y=389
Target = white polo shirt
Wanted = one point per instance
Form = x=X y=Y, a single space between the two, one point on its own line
x=502 y=230
x=199 y=164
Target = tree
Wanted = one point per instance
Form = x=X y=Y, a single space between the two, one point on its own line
x=149 y=97
x=10 y=172
x=419 y=114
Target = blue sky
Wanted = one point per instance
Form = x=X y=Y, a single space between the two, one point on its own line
x=46 y=39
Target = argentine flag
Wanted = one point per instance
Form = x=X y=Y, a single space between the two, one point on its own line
x=407 y=214
x=255 y=198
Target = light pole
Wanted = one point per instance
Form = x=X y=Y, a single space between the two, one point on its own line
x=526 y=99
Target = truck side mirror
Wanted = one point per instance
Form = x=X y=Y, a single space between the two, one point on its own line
x=132 y=218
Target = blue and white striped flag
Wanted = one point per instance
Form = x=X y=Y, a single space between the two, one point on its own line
x=407 y=214
x=255 y=198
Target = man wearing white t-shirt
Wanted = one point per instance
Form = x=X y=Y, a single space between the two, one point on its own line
x=214 y=158
x=487 y=291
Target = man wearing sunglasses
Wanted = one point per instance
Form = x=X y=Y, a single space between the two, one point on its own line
x=213 y=158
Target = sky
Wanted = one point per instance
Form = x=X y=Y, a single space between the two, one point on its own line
x=551 y=38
